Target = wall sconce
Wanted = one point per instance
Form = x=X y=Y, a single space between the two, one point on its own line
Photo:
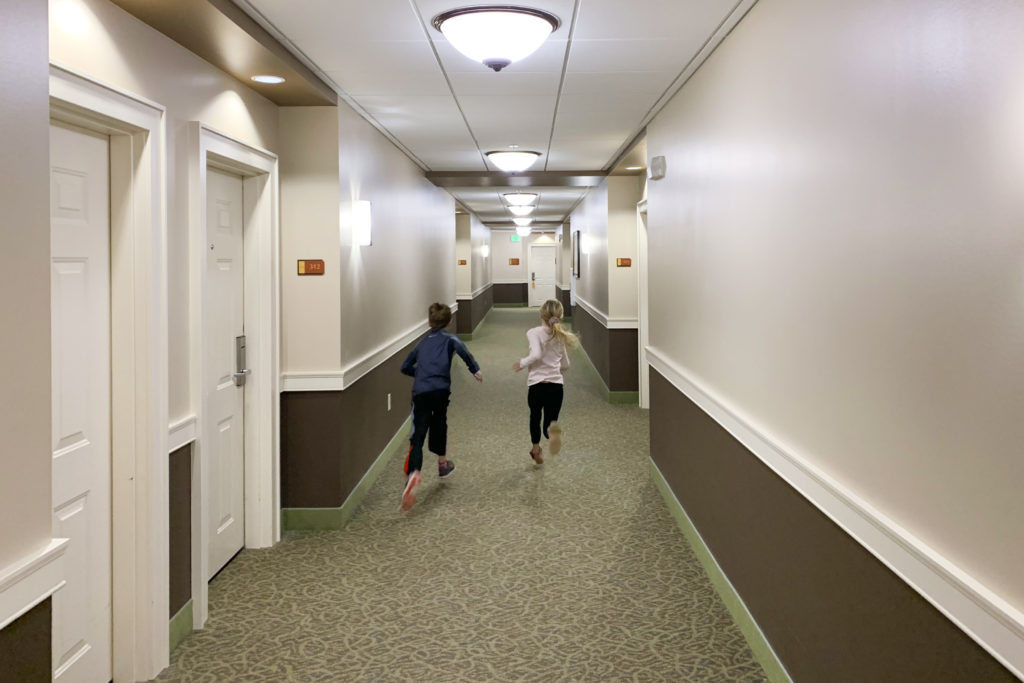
x=361 y=225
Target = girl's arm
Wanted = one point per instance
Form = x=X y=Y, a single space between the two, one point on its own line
x=535 y=352
x=565 y=359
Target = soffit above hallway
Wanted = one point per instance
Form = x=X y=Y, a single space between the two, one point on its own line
x=581 y=100
x=222 y=34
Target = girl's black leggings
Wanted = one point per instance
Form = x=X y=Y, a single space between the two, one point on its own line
x=546 y=398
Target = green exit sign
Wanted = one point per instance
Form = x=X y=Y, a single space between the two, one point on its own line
x=514 y=238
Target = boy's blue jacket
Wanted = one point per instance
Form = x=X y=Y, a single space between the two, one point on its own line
x=431 y=362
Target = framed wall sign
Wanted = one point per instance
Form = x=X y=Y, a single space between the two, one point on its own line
x=576 y=254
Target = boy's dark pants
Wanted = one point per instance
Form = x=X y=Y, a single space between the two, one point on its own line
x=429 y=413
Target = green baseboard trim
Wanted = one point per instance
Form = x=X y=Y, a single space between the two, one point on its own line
x=519 y=305
x=759 y=645
x=181 y=626
x=325 y=519
x=624 y=397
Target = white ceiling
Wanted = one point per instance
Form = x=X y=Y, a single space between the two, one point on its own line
x=578 y=100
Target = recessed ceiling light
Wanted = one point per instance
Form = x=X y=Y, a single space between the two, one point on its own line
x=514 y=160
x=520 y=198
x=521 y=210
x=522 y=222
x=496 y=35
x=266 y=78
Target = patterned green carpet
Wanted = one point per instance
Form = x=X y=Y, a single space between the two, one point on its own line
x=572 y=571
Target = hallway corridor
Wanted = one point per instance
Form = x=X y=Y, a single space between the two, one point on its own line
x=572 y=571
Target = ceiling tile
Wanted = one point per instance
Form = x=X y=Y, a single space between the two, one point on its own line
x=604 y=56
x=650 y=19
x=643 y=84
x=327 y=20
x=506 y=82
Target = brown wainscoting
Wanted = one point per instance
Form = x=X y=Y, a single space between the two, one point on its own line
x=25 y=647
x=623 y=360
x=180 y=542
x=472 y=311
x=565 y=297
x=594 y=337
x=330 y=439
x=831 y=611
x=517 y=293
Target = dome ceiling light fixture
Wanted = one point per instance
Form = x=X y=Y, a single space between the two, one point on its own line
x=496 y=35
x=522 y=222
x=520 y=198
x=521 y=210
x=523 y=232
x=514 y=160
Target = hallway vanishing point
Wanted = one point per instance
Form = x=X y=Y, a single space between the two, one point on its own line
x=571 y=571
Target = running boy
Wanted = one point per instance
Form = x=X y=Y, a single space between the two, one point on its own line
x=547 y=360
x=430 y=363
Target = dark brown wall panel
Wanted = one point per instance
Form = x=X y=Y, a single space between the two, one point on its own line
x=311 y=449
x=511 y=293
x=565 y=296
x=594 y=337
x=180 y=513
x=464 y=317
x=482 y=304
x=25 y=647
x=830 y=609
x=623 y=360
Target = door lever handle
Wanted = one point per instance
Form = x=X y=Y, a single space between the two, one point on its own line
x=240 y=376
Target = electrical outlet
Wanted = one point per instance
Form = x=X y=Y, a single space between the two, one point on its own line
x=389 y=403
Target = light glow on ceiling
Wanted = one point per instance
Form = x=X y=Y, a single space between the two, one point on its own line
x=523 y=232
x=496 y=35
x=520 y=198
x=522 y=222
x=268 y=79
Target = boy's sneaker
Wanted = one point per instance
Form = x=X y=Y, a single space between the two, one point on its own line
x=411 y=486
x=444 y=470
x=555 y=434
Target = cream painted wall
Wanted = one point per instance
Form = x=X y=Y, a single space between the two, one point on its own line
x=310 y=311
x=481 y=238
x=502 y=249
x=591 y=219
x=24 y=282
x=837 y=251
x=103 y=41
x=623 y=194
x=464 y=252
x=387 y=287
x=564 y=257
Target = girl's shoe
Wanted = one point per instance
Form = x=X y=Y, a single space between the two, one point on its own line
x=537 y=453
x=444 y=470
x=555 y=434
x=411 y=486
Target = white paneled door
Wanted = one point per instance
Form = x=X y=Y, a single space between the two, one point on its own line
x=80 y=382
x=225 y=447
x=542 y=273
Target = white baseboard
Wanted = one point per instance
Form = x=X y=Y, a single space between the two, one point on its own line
x=990 y=620
x=30 y=580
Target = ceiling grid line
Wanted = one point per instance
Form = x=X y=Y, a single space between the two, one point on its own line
x=561 y=81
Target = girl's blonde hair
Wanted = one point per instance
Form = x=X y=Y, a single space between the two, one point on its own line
x=551 y=314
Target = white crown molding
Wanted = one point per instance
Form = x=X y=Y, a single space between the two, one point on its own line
x=990 y=620
x=339 y=380
x=181 y=433
x=609 y=323
x=27 y=582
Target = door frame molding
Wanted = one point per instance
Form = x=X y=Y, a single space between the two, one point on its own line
x=139 y=357
x=261 y=239
x=529 y=266
x=643 y=303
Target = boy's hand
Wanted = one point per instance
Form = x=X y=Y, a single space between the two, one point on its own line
x=479 y=377
x=517 y=367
